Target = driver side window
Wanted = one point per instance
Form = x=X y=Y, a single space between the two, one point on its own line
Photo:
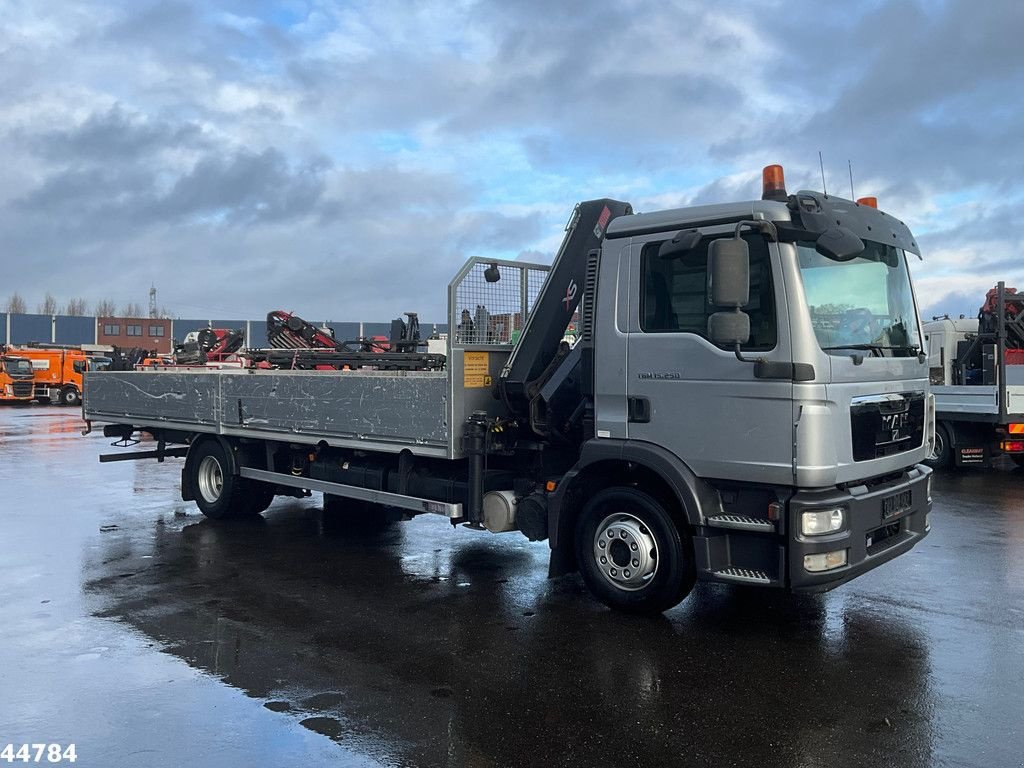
x=674 y=293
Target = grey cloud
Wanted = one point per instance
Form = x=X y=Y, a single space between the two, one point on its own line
x=246 y=187
x=916 y=92
x=952 y=304
x=241 y=187
x=114 y=135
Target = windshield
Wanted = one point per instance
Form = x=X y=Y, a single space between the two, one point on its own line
x=861 y=304
x=17 y=367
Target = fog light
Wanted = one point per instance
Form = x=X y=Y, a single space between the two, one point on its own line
x=825 y=561
x=927 y=521
x=819 y=521
x=928 y=488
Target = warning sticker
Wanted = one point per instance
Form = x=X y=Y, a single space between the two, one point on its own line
x=475 y=370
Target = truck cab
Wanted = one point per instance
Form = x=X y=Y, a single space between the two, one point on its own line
x=15 y=379
x=813 y=424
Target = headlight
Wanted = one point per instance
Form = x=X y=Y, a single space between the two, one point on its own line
x=819 y=521
x=825 y=561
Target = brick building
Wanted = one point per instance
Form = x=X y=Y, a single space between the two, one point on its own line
x=145 y=332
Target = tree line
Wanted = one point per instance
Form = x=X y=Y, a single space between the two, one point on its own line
x=77 y=307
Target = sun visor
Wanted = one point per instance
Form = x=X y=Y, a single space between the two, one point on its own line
x=817 y=212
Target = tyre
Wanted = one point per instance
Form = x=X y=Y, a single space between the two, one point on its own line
x=344 y=515
x=632 y=554
x=69 y=396
x=942 y=455
x=258 y=496
x=1018 y=459
x=219 y=493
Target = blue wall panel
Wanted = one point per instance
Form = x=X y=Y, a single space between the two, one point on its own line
x=26 y=328
x=257 y=334
x=76 y=330
x=345 y=331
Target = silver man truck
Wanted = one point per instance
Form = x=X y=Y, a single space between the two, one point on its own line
x=747 y=403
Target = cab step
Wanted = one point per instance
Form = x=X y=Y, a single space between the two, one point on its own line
x=741 y=523
x=742 y=576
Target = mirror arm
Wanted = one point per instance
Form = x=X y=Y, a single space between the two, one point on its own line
x=765 y=227
x=741 y=358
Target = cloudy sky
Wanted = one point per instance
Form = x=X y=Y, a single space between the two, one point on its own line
x=341 y=159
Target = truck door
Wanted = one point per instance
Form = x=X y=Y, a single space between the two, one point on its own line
x=692 y=397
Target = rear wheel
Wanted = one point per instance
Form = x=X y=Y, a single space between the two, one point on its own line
x=1018 y=459
x=218 y=492
x=69 y=396
x=632 y=554
x=942 y=454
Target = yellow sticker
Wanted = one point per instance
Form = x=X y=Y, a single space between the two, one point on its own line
x=476 y=370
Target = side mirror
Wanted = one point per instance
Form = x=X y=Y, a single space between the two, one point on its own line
x=729 y=272
x=729 y=286
x=684 y=242
x=839 y=244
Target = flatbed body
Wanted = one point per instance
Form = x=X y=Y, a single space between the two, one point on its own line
x=981 y=402
x=388 y=411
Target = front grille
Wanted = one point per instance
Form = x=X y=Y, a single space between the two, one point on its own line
x=886 y=424
x=22 y=388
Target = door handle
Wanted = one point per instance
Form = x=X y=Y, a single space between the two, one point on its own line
x=639 y=410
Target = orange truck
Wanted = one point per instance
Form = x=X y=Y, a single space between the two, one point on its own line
x=56 y=372
x=16 y=379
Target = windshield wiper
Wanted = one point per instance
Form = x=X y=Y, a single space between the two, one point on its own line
x=875 y=348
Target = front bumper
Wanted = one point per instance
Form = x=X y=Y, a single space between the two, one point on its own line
x=870 y=538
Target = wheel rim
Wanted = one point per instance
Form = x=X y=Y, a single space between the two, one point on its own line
x=625 y=551
x=938 y=447
x=211 y=479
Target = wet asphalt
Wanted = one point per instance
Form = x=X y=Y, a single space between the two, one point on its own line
x=148 y=635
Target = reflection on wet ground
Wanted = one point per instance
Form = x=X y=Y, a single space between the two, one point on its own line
x=275 y=642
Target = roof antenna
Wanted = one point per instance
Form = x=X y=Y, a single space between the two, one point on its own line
x=821 y=164
x=852 y=195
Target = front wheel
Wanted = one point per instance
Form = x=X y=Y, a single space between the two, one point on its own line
x=942 y=454
x=632 y=554
x=69 y=396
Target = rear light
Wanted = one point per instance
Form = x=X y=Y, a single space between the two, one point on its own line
x=1012 y=446
x=773 y=183
x=870 y=202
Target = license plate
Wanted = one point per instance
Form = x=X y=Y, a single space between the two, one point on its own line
x=895 y=504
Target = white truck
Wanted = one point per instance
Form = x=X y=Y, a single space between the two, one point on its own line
x=976 y=368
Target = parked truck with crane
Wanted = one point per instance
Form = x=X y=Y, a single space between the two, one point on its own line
x=976 y=368
x=747 y=403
